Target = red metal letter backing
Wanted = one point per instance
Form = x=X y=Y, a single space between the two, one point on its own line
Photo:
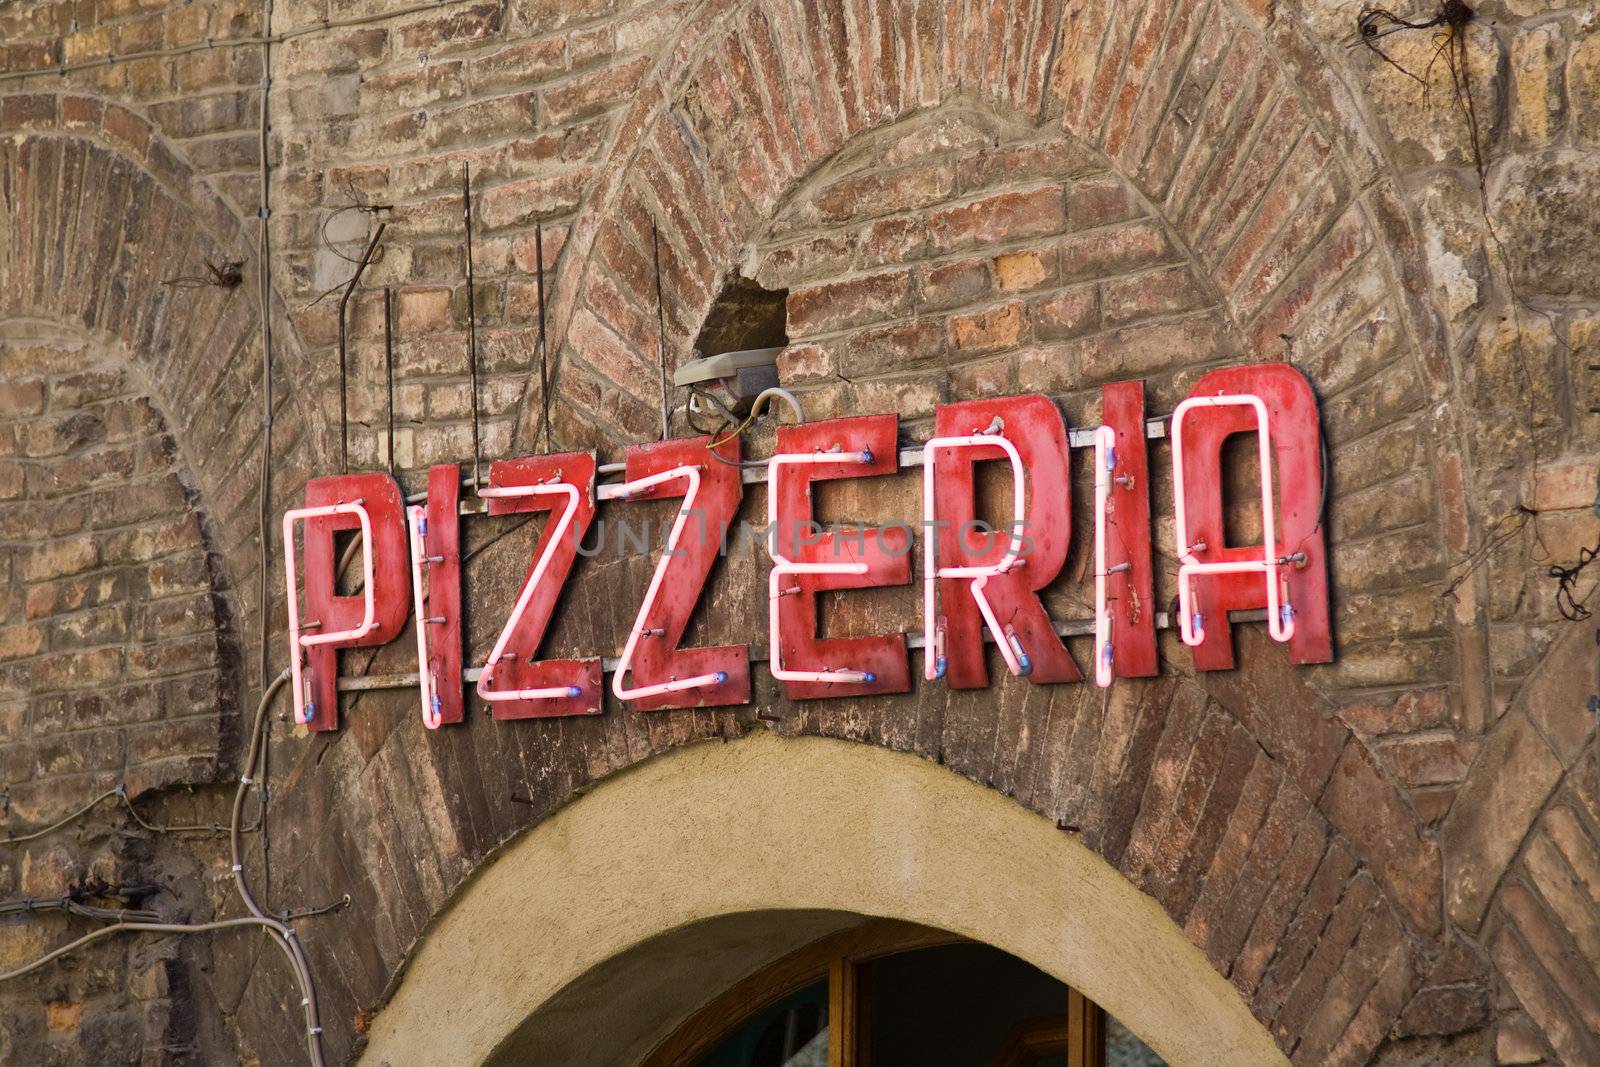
x=1273 y=399
x=436 y=593
x=1034 y=426
x=864 y=665
x=1128 y=592
x=375 y=616
x=654 y=673
x=517 y=684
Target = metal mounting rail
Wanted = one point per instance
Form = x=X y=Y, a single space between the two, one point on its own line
x=758 y=654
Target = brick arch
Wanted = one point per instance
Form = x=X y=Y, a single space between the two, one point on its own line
x=1274 y=202
x=1205 y=127
x=1222 y=123
x=120 y=661
x=101 y=212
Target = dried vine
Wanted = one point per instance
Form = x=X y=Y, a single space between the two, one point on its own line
x=1448 y=24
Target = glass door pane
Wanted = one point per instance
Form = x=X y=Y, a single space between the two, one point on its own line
x=790 y=1033
x=961 y=1005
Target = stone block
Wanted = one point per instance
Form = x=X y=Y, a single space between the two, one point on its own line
x=1545 y=212
x=1492 y=814
x=1417 y=99
x=1541 y=106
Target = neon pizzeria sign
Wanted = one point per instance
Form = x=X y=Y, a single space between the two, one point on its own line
x=976 y=587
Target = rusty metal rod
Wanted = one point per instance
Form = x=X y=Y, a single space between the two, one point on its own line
x=388 y=364
x=344 y=361
x=544 y=353
x=472 y=320
x=661 y=326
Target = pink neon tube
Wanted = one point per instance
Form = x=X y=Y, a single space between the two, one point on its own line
x=302 y=710
x=782 y=567
x=1016 y=658
x=1105 y=440
x=692 y=473
x=554 y=539
x=1280 y=617
x=417 y=521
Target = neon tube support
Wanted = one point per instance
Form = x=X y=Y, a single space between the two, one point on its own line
x=620 y=691
x=1011 y=649
x=1280 y=615
x=551 y=542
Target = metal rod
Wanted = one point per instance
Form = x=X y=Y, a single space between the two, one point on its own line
x=344 y=364
x=388 y=364
x=544 y=354
x=661 y=325
x=472 y=320
x=758 y=654
x=264 y=283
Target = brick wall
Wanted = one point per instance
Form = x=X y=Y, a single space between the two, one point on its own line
x=117 y=667
x=958 y=198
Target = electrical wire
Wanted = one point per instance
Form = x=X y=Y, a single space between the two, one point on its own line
x=120 y=790
x=17 y=839
x=73 y=907
x=137 y=927
x=755 y=410
x=282 y=933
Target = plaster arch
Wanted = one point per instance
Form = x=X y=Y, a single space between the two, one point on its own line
x=866 y=831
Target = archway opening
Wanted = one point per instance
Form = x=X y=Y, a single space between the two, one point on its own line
x=696 y=836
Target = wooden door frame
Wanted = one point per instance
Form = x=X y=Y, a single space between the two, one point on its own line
x=837 y=959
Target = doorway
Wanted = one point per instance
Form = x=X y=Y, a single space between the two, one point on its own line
x=886 y=994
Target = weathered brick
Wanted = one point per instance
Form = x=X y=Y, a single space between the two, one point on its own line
x=953 y=284
x=1100 y=201
x=62 y=558
x=1027 y=269
x=19 y=399
x=857 y=301
x=1069 y=313
x=1116 y=251
x=1427 y=759
x=592 y=91
x=1493 y=812
x=1161 y=292
x=879 y=193
x=990 y=330
x=1001 y=217
x=1398 y=713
